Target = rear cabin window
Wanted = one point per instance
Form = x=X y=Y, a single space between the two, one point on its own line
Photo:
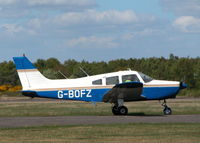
x=97 y=82
x=128 y=78
x=112 y=80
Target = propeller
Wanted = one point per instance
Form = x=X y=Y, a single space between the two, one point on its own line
x=183 y=85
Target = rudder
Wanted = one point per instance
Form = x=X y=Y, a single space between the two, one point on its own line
x=22 y=63
x=29 y=76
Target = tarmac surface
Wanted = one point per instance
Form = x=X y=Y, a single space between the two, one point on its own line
x=11 y=122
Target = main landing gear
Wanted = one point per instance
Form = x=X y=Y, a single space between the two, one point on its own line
x=122 y=110
x=166 y=110
x=119 y=108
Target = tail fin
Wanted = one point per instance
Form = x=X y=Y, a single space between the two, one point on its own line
x=29 y=76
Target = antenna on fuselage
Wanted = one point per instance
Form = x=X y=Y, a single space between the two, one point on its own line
x=63 y=74
x=84 y=71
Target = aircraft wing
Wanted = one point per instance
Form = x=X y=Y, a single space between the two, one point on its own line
x=129 y=91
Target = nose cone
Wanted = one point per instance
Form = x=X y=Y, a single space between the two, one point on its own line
x=183 y=85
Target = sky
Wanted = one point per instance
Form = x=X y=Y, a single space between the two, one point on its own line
x=99 y=30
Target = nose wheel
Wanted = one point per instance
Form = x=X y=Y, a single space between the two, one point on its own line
x=166 y=110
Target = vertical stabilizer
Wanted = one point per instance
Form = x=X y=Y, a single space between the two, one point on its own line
x=29 y=76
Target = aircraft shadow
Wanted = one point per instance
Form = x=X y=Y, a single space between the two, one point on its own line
x=142 y=114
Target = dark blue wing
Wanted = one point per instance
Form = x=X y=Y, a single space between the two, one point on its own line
x=129 y=91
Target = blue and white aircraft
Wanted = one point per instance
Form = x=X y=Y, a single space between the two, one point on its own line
x=115 y=87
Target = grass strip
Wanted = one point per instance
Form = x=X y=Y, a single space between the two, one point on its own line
x=114 y=133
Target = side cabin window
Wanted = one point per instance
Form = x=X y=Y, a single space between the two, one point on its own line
x=112 y=80
x=128 y=78
x=97 y=82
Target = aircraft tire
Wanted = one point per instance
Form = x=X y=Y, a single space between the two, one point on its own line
x=123 y=110
x=167 y=111
x=115 y=110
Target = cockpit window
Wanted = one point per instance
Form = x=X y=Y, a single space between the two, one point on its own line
x=112 y=80
x=145 y=77
x=97 y=82
x=128 y=78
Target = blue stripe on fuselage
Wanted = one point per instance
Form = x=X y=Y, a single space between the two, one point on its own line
x=156 y=93
x=96 y=95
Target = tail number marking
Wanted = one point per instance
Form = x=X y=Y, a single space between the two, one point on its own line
x=75 y=93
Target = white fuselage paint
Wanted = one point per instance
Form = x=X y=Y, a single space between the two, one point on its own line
x=34 y=80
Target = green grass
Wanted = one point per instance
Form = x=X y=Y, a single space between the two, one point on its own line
x=68 y=108
x=190 y=93
x=114 y=133
x=10 y=94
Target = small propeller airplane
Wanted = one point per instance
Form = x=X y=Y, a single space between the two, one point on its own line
x=115 y=87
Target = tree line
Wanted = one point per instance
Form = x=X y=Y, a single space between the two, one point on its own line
x=173 y=68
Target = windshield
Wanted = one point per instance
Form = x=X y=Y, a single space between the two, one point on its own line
x=145 y=77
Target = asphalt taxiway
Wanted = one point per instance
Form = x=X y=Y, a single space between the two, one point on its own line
x=11 y=122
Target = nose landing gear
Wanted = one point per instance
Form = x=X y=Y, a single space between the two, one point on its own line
x=166 y=110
